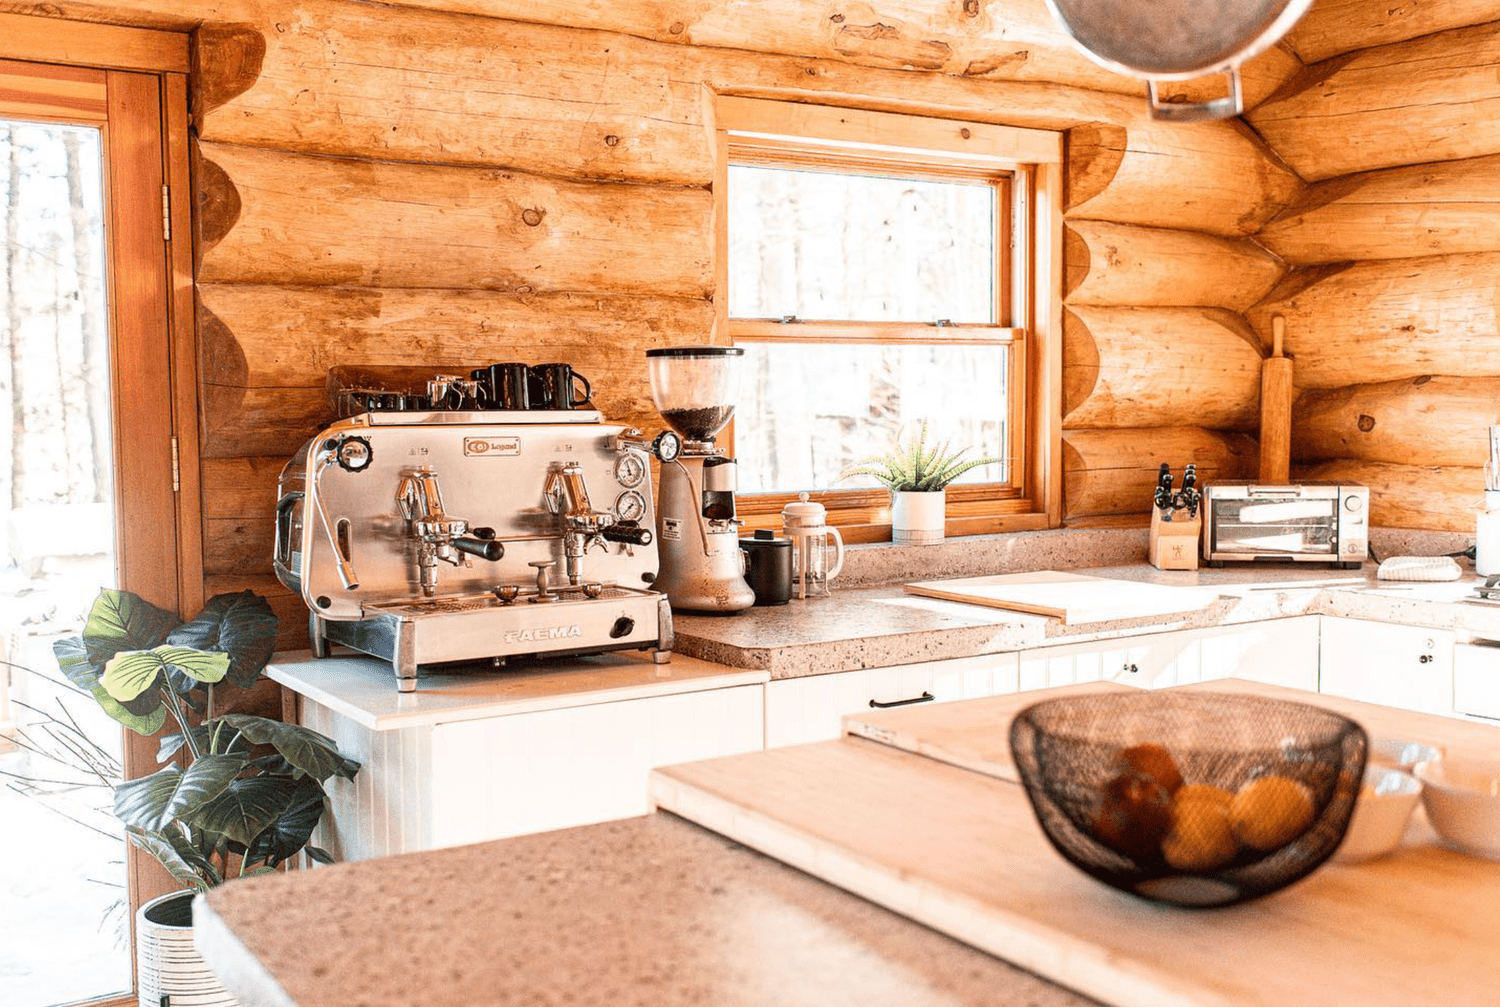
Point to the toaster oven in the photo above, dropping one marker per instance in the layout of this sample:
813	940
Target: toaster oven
1302	522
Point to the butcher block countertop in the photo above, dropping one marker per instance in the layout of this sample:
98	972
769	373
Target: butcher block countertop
659	911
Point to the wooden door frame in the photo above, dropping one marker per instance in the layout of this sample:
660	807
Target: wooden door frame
148	209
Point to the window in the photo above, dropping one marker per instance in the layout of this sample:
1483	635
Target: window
880	270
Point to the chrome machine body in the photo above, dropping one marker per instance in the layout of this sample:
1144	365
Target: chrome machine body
432	536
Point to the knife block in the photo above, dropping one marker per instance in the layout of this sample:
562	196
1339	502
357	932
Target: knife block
1174	543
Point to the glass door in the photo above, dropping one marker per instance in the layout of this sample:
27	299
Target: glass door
87	501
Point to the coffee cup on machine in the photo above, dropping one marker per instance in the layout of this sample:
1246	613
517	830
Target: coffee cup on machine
512	386
559	387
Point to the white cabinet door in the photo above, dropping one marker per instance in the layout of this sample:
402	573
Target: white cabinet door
1401	666
1476	680
1148	662
533	772
799	710
1278	652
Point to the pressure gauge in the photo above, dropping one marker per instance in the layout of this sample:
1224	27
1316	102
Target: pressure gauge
630	506
630	469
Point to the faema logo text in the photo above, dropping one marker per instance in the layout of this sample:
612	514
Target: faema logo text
543	635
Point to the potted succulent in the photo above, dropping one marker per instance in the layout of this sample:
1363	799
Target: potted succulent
249	791
917	474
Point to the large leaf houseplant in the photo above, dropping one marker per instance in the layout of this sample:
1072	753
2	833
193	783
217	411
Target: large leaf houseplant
251	790
917	472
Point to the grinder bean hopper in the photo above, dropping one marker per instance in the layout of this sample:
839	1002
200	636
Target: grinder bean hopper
702	566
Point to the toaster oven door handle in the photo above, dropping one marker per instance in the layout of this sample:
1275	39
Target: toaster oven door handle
1276	491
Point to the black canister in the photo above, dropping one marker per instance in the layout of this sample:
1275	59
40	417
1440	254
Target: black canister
768	567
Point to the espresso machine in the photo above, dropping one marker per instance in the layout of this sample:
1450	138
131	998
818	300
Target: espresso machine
423	529
702	565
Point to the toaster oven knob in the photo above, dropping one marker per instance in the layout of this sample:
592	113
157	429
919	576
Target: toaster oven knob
623	626
1353	503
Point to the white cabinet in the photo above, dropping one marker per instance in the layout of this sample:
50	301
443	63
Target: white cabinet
1402	666
1281	652
799	710
1277	652
430	786
1476	680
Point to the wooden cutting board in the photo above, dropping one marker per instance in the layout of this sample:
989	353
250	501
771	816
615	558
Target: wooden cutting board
972	735
1072	597
962	853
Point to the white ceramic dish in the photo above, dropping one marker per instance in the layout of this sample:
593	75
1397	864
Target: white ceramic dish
1401	753
1462	798
1386	801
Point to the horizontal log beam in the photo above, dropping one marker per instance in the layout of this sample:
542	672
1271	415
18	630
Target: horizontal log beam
1117	264
1440	420
1428	497
1333	27
1113	472
241	487
327	221
1396	319
1435	98
1426	209
1214	177
1159	367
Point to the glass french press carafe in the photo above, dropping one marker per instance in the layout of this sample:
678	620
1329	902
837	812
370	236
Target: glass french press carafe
806	524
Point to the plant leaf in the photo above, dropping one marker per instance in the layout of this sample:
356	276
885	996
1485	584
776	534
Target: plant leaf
310	752
171	793
292	828
144	715
241	625
171	744
247	807
120	621
174	852
130	673
320	855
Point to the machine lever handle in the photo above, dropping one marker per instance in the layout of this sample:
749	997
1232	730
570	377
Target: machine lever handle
484	548
627	532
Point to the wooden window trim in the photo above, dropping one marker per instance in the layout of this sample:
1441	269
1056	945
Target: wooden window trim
1029	294
132	84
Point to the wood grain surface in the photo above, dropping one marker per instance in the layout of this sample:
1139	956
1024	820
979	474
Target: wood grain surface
961	852
1073	598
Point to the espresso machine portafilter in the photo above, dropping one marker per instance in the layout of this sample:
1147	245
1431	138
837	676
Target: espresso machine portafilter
702	566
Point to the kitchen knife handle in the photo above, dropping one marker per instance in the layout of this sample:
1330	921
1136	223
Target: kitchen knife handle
926	697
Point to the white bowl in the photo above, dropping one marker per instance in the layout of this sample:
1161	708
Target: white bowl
1462	798
1385	804
1401	753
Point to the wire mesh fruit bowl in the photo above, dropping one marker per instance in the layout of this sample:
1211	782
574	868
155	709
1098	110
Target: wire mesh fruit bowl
1190	798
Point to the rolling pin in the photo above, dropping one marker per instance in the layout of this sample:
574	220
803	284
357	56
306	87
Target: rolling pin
1276	409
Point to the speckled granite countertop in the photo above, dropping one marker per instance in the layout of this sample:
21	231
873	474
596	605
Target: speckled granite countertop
871	627
647	911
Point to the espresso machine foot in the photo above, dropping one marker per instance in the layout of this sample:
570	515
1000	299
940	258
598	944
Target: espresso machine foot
661	656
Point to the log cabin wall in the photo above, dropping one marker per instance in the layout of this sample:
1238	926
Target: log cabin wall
457	181
1392	305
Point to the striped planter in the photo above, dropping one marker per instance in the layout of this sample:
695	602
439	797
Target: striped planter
917	518
168	971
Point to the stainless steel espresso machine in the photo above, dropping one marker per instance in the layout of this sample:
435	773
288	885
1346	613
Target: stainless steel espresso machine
702	565
425	530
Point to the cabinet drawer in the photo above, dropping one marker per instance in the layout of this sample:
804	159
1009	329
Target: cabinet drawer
1476	680
1154	661
799	710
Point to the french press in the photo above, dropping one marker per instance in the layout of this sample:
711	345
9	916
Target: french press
806	524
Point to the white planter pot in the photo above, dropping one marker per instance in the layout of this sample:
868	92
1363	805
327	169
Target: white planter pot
168	970
917	518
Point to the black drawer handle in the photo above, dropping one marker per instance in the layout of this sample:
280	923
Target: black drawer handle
926	697
1425	658
1131	668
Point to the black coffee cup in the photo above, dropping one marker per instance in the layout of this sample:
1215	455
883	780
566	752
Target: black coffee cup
512	386
768	567
484	391
559	387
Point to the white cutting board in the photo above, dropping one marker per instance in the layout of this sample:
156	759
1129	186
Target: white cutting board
1071	597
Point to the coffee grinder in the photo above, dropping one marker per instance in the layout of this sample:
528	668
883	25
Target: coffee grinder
702	566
